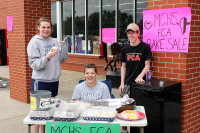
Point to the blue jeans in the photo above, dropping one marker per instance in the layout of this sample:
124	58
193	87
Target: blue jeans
49	86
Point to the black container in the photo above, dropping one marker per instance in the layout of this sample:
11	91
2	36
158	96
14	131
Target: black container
162	103
115	77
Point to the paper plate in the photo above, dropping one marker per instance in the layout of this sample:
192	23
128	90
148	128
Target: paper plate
132	117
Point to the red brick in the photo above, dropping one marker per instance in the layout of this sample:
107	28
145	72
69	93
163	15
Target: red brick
183	66
195	6
172	65
159	64
173	2
194	17
184	1
172	55
167	70
150	3
158	54
167	6
160	2
171	75
166	60
155	59
159	74
192	70
193	28
178	60
181	71
185	92
154	69
154	8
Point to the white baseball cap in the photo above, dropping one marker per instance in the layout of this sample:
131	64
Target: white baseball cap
133	27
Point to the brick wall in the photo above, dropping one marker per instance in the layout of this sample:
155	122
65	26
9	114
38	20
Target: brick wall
3	13
25	15
76	62
183	67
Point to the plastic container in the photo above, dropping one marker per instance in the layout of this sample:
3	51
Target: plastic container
40	100
99	114
67	112
41	115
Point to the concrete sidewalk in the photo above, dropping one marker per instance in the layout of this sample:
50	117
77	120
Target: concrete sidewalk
13	112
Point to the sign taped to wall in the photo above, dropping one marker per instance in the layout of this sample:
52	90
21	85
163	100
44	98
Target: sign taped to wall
109	35
9	23
167	30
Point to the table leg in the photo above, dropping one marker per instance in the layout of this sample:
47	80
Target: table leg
141	130
29	128
44	128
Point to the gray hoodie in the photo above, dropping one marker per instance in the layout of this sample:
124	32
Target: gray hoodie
43	69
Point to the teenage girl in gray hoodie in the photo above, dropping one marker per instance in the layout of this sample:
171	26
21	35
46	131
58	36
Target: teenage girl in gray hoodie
45	60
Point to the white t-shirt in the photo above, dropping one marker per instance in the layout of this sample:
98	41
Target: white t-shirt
84	93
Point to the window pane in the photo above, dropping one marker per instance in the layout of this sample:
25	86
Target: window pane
141	5
67	23
126	15
108	14
79	17
79	26
67	19
53	19
93	26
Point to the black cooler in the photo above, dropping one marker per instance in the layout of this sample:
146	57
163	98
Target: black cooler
162	102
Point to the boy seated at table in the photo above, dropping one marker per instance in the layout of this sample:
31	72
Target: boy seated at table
90	89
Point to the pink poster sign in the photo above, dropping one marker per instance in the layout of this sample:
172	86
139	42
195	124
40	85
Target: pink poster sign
9	23
109	35
167	30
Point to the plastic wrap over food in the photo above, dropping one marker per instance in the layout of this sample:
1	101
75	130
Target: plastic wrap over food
99	114
126	100
108	102
114	102
68	113
70	109
128	104
55	102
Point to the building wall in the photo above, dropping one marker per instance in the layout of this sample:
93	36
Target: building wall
3	14
25	16
183	67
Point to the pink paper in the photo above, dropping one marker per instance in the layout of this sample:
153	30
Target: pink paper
9	23
167	30
108	35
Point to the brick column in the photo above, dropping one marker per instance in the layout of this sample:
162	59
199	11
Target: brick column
25	15
183	67
3	13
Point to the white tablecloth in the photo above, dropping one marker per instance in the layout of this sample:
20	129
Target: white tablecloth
134	123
